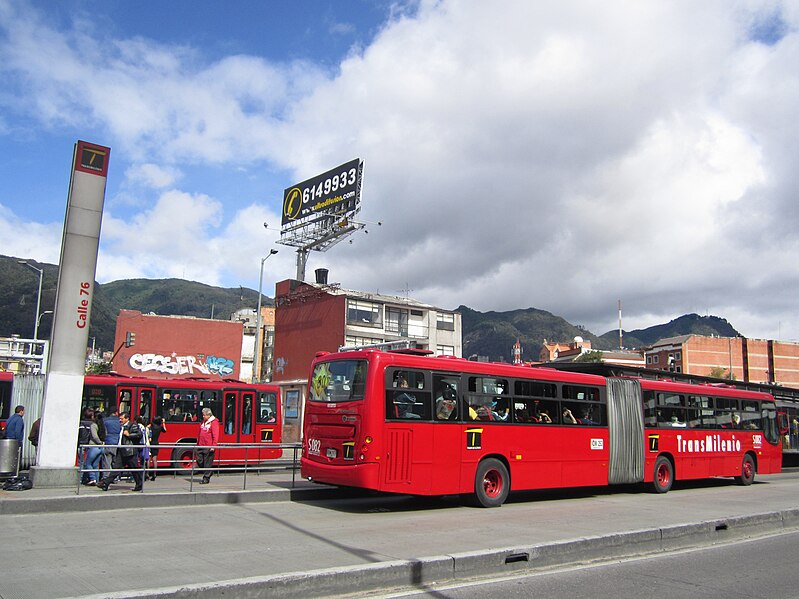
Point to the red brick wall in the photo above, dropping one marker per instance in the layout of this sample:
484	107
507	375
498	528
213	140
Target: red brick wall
307	320
174	347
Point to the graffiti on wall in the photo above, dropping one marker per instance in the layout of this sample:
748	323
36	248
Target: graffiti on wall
181	365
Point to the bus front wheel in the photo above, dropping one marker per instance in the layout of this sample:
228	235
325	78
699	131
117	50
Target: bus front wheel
491	483
748	470
664	475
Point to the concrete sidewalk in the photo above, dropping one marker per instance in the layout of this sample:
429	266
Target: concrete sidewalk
216	540
281	483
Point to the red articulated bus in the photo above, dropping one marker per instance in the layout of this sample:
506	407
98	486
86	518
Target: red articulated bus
248	414
403	422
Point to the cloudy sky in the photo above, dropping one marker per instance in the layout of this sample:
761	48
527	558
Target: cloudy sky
562	156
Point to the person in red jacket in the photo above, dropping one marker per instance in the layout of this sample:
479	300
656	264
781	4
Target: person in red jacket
206	443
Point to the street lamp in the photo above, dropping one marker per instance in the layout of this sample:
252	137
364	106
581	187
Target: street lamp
39	299
39	320
256	353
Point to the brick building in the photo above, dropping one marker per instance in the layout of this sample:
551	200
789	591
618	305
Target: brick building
750	360
313	317
177	346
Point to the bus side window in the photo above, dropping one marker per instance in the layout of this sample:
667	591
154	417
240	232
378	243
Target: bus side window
407	398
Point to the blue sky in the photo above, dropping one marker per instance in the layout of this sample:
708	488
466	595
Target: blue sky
555	155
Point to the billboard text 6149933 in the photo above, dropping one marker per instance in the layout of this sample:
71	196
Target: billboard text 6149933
335	192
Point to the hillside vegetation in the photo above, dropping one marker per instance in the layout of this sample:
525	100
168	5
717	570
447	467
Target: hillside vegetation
488	334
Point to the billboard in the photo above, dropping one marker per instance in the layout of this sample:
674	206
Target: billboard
336	192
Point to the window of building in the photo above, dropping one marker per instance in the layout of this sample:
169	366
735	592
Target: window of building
445	350
655	359
678	355
649	359
397	321
445	321
364	313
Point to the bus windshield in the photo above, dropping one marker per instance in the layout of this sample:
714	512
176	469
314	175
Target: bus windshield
338	380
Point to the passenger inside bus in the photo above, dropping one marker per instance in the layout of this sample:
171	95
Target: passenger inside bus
446	404
497	411
404	401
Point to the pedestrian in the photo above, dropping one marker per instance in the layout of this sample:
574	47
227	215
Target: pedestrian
33	436
127	456
15	429
144	452
206	442
157	427
89	447
112	427
15	426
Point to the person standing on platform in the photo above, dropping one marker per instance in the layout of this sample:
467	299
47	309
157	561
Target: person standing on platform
126	456
113	428
206	442
15	429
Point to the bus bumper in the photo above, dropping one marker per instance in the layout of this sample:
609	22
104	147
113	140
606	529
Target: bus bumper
345	475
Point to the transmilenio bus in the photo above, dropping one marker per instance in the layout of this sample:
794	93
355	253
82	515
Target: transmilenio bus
247	413
404	422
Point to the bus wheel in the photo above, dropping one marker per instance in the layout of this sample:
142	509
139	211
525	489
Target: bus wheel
183	457
747	471
664	475
491	483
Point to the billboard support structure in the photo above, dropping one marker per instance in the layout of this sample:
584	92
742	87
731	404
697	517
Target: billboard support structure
317	213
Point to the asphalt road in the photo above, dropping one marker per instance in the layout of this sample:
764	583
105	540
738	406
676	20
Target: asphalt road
117	551
756	568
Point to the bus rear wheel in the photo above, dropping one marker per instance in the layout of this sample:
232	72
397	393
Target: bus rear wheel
664	475
183	457
491	483
747	471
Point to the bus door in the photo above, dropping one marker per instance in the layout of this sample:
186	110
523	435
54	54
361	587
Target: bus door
143	406
230	420
450	435
407	467
247	430
125	397
266	431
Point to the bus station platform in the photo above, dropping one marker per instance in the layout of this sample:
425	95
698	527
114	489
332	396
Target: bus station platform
290	538
281	483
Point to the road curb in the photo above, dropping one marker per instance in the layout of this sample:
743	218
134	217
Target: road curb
425	573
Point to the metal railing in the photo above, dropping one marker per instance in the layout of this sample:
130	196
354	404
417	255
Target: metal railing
248	465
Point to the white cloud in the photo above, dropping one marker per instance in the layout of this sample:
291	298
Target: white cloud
152	175
38	241
561	156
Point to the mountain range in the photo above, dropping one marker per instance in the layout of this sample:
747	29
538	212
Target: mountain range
489	334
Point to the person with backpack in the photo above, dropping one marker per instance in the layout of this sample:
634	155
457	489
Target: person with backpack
89	448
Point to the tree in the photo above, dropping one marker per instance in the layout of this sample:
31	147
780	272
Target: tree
719	372
98	368
590	356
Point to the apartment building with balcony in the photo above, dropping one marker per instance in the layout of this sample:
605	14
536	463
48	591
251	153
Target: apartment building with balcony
314	317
